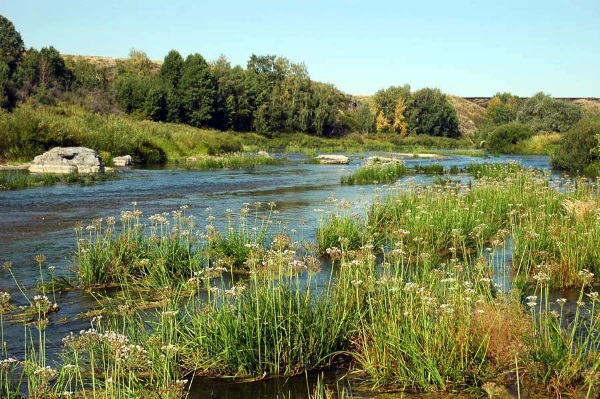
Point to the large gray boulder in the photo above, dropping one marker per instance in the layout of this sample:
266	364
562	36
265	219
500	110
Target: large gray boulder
63	160
333	159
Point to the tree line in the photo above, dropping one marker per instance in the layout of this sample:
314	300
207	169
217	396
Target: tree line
271	94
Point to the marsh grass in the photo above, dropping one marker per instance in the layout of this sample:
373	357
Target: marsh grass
377	173
22	179
108	254
231	161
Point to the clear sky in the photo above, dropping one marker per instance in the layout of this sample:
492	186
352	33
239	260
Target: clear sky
463	47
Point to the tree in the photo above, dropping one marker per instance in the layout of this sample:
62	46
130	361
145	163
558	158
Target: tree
170	76
502	109
399	125
171	69
11	44
197	91
11	50
365	119
543	113
431	113
381	122
385	100
137	64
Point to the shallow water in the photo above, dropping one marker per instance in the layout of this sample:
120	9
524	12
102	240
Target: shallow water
42	220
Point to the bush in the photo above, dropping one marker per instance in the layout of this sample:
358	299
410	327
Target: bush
544	113
504	139
577	148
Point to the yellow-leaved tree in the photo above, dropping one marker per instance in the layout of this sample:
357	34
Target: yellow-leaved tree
400	126
381	123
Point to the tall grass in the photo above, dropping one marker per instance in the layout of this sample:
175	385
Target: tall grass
112	254
377	173
231	161
17	180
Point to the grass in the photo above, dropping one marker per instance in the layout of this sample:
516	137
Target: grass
377	173
230	161
416	298
18	180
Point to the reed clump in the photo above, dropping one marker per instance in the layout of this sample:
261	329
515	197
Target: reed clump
376	173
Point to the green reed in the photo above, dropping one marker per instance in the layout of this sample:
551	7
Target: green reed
377	173
22	179
165	251
231	161
564	348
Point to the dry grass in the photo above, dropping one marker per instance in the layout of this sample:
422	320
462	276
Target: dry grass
469	114
579	209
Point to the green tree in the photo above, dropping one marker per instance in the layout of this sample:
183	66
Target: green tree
131	92
11	50
365	118
502	109
197	91
171	69
170	75
543	113
431	113
11	44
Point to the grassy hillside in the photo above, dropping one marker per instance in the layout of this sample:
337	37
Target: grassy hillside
469	114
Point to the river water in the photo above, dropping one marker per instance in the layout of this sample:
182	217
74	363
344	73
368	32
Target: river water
41	221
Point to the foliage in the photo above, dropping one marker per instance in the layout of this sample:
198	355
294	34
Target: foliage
543	113
431	113
381	123
365	119
505	139
400	126
11	49
502	109
577	149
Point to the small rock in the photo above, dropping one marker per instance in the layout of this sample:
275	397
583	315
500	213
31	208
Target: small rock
125	160
264	154
333	159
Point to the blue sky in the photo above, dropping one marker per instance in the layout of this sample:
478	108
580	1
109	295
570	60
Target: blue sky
463	47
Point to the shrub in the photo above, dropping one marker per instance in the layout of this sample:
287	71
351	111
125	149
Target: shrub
577	148
504	138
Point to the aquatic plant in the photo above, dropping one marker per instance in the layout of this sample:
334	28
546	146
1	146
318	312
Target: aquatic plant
376	173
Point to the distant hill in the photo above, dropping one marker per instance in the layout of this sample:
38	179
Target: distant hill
469	114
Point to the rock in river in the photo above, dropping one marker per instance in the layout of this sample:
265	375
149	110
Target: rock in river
68	160
125	160
333	159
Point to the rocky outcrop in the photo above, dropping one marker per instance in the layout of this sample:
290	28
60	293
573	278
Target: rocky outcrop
125	160
333	159
63	160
